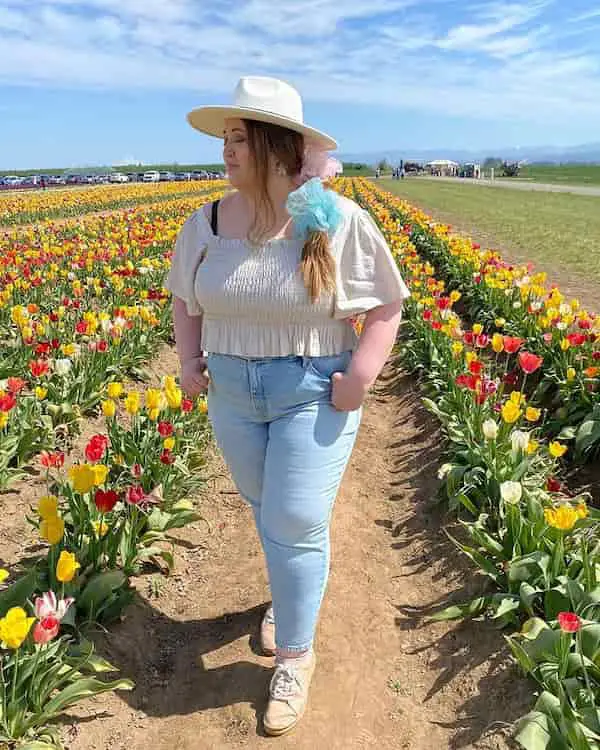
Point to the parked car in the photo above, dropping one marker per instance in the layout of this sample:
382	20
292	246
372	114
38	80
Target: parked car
166	176
182	176
151	176
12	180
118	177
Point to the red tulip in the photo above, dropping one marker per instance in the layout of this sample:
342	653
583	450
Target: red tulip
482	340
530	362
96	448
165	429
512	345
15	385
54	460
576	339
135	495
187	404
476	367
569	622
105	501
553	485
166	457
7	402
38	367
46	629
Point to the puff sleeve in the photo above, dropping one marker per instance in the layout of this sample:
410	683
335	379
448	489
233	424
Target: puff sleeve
190	247
367	274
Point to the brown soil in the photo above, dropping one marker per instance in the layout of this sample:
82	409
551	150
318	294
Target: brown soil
384	679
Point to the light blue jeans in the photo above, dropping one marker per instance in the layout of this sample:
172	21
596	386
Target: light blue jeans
286	447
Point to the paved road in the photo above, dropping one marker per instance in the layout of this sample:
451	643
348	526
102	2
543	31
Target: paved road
522	185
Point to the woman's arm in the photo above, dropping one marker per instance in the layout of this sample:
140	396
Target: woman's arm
376	342
188	342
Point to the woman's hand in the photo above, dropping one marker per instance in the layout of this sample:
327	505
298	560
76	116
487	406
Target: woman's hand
194	376
347	391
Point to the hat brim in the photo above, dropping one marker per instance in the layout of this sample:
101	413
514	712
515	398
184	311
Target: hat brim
211	120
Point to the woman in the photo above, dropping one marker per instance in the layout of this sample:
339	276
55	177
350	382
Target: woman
266	282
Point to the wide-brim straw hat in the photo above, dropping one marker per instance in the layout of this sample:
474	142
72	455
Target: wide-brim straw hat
263	99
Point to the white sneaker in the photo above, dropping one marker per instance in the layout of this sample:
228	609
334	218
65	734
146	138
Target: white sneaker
288	695
267	633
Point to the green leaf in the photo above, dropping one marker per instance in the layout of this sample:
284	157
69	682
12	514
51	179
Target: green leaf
534	732
507	605
82	688
554	602
18	592
37	745
528	594
459	611
99	588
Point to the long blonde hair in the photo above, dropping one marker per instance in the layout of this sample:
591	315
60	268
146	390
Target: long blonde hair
268	142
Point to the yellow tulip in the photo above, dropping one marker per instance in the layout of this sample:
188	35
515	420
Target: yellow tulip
114	390
582	510
40	393
571	374
564	344
500	322
563	518
15	627
510	412
557	449
532	414
66	567
154	399
457	348
100	472
109	408
477	329
4	574
532	447
52	529
82	477
101	528
169	443
3	419
497	343
132	403
48	506
517	397
174	397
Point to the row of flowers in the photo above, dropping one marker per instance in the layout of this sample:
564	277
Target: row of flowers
103	519
79	305
516	301
537	544
25	208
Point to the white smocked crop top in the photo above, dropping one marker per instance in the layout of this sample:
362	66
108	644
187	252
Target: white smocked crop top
254	302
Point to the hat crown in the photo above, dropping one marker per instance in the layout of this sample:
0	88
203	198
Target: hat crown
269	95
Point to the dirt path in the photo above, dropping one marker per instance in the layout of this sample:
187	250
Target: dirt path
520	184
384	680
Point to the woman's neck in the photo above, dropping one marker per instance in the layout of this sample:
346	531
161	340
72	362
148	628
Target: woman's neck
278	190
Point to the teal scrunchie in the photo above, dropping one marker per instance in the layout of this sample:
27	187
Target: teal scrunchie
314	209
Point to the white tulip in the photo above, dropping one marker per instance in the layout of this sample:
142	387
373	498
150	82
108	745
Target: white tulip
444	470
511	492
519	440
62	366
490	429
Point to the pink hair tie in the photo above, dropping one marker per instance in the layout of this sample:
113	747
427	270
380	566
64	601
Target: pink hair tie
317	162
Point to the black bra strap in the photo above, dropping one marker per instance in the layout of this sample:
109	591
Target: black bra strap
214	220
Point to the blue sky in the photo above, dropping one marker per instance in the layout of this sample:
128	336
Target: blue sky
109	81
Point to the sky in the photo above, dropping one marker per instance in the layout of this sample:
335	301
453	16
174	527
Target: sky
94	82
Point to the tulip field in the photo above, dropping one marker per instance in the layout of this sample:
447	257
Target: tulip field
513	381
509	368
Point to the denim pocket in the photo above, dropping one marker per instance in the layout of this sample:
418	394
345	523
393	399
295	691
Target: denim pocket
324	367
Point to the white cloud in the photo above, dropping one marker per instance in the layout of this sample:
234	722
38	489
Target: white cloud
491	60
